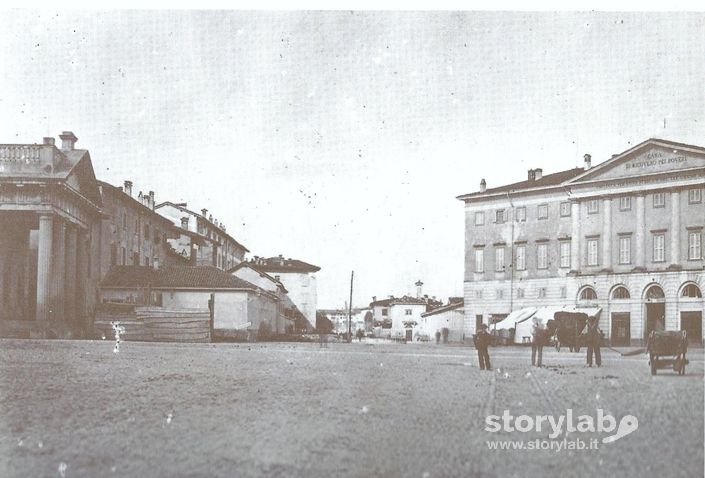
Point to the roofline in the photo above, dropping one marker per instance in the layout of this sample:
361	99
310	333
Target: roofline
261	273
182	208
444	308
117	189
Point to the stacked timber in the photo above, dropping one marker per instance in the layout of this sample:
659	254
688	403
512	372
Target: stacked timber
106	314
175	325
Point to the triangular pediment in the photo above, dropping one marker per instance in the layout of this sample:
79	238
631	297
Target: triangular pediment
82	179
650	157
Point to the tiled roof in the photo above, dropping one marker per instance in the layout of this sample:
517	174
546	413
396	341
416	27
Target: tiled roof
398	300
545	181
118	193
280	264
173	277
444	308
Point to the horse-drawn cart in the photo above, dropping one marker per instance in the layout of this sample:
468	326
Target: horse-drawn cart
667	349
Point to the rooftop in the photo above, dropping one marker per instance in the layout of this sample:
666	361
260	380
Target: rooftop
280	264
173	277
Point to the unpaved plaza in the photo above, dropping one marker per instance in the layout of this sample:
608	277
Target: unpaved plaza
274	409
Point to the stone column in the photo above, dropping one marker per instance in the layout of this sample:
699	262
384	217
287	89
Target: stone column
675	243
70	273
575	237
639	233
57	274
81	274
44	265
607	233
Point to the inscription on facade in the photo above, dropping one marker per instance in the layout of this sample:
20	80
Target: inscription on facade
655	158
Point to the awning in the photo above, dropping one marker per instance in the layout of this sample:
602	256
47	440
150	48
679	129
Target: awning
510	321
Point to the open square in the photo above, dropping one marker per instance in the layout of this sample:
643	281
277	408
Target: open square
277	409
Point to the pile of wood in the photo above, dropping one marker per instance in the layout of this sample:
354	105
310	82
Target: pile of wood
153	324
175	325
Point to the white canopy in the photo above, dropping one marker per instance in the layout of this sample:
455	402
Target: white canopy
519	319
510	321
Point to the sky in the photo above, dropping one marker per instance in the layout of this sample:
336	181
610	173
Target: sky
342	138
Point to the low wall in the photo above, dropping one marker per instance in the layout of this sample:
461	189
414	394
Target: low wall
153	324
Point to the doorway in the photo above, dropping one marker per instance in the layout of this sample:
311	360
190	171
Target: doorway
621	326
692	323
409	335
655	318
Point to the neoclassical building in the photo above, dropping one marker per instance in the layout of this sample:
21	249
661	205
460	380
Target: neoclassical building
624	235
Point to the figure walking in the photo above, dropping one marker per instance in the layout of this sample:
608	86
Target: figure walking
482	341
593	336
538	336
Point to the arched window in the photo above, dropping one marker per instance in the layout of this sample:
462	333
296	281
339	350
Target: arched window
654	293
620	292
691	290
588	293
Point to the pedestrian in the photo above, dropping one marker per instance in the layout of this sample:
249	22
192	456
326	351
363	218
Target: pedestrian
438	337
537	339
593	335
482	341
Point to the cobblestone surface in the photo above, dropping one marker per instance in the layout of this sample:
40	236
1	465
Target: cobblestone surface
349	410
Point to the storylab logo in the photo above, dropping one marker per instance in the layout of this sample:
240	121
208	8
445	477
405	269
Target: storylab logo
560	429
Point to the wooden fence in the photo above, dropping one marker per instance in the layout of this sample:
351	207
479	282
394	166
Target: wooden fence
153	324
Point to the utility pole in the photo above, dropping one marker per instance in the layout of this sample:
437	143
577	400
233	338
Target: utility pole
352	275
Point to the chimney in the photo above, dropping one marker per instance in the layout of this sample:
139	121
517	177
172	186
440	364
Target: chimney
184	222
68	140
374	298
128	188
204	211
538	173
210	217
588	159
532	174
418	285
151	200
483	185
49	141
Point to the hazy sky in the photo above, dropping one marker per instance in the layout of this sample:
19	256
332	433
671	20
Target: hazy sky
343	138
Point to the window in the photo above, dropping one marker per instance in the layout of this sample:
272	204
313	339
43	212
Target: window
499	216
521	258
113	255
620	292
565	209
659	200
123	257
694	246
478	294
543	211
146	260
625	250
135	258
499	259
385	312
124	220
542	292
521	214
480	218
694	196
659	247
542	256
692	291
479	260
520	293
564	292
565	254
592	246
593	206
588	293
499	293
625	203
407	311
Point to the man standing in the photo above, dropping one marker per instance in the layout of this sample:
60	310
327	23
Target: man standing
593	335
482	341
537	338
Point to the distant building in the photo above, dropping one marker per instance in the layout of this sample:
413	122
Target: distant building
400	317
360	319
205	240
238	305
299	279
447	319
625	235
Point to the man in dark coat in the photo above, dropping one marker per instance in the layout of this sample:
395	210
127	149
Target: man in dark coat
593	337
482	341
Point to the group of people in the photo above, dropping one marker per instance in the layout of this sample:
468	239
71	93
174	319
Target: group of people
539	335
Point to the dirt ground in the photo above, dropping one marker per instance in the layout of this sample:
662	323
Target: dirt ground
75	408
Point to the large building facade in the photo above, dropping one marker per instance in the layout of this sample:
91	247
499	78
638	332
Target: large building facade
625	235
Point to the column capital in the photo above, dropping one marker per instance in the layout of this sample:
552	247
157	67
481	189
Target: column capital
45	215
